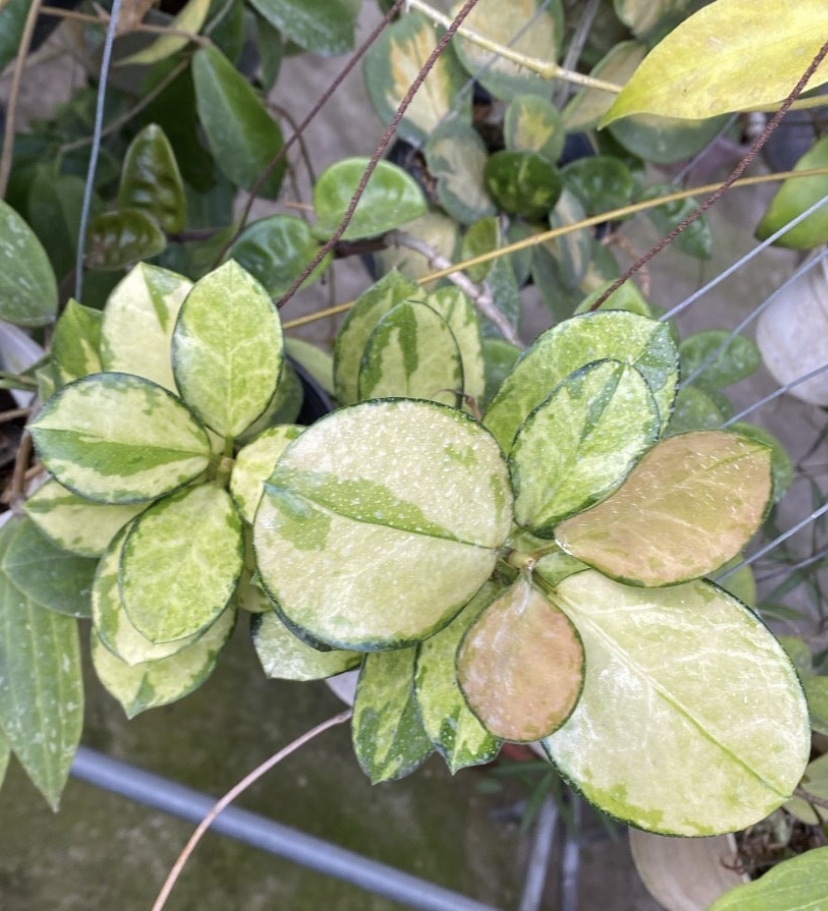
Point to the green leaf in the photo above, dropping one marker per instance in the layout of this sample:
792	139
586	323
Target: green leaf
798	883
392	64
522	183
76	341
181	561
530	27
572	252
601	182
718	359
627	297
734	767
458	311
815	781
117	438
695	409
5	755
138	323
12	23
227	349
412	353
47	575
795	196
53	209
240	133
286	657
166	680
816	692
533	124
75	524
360	322
322	26
191	18
456	158
638	341
411	512
521	665
276	250
388	736
116	240
578	446
151	181
391	198
255	463
500	358
690	505
28	291
41	688
696	239
699	70
667	140
449	724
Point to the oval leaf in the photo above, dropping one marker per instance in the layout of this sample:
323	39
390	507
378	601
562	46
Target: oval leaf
28	290
735	766
76	341
713	359
717	484
521	665
151	181
522	183
533	124
115	240
459	312
323	26
411	513
191	18
227	349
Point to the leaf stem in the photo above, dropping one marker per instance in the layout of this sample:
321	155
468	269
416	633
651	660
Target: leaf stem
809	797
232	794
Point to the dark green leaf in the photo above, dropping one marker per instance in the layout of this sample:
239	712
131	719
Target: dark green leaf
28	291
712	359
54	207
696	239
151	182
116	240
600	182
323	26
522	183
12	22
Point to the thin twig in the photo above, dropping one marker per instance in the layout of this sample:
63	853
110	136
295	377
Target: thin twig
102	18
232	794
14	95
17	489
13	413
811	798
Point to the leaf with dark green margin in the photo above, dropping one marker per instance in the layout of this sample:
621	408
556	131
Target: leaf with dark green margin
533	124
322	26
74	523
522	183
695	409
388	736
459	312
412	353
712	359
151	181
255	463
284	656
117	438
76	341
580	444
241	134
47	575
602	183
641	708
391	198
392	64
529	27
360	322
797	883
696	238
41	688
456	158
693	73
227	349
138	323
28	291
411	512
643	343
181	561
690	505
147	686
191	18
275	250
452	728
521	665
116	240
53	209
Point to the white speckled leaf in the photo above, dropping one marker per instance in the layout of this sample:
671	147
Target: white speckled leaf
138	323
74	523
395	510
638	341
181	562
452	728
388	736
227	349
255	463
581	442
691	504
28	290
458	311
160	682
412	353
117	438
692	720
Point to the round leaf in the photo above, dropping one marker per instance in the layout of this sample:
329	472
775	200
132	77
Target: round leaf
522	183
28	291
692	720
601	182
395	510
151	182
533	124
118	438
116	240
391	198
713	359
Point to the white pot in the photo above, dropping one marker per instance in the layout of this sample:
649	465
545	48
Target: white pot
792	334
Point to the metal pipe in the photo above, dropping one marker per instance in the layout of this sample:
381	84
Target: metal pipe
538	867
323	857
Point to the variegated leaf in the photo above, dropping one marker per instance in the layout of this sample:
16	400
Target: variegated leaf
76	341
255	463
457	157
190	19
458	311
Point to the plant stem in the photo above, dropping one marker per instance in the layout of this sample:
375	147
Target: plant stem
544	68
103	19
810	798
232	794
